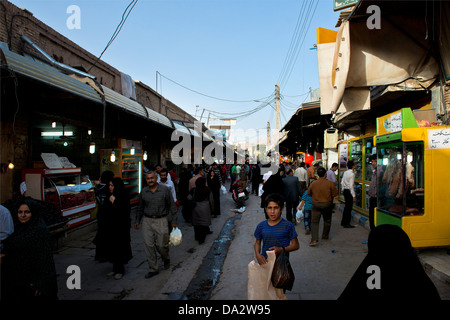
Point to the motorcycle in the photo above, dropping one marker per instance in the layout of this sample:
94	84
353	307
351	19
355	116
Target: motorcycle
238	193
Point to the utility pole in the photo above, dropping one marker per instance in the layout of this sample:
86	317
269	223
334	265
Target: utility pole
268	134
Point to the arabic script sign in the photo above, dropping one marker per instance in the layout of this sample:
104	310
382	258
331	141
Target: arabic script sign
439	139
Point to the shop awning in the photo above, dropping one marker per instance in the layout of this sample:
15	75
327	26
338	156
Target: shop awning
40	71
180	129
400	52
134	107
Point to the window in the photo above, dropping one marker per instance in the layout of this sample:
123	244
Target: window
400	178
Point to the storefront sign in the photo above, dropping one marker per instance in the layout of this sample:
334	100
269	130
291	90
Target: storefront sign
396	121
439	139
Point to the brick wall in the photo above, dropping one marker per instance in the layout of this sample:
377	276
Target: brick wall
65	51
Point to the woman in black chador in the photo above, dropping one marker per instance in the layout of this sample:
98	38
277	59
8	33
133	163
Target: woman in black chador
391	270
101	195
28	269
117	227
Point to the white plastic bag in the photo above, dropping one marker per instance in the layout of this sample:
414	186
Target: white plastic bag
259	286
224	190
299	216
175	237
260	190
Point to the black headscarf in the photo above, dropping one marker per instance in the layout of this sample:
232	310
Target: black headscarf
401	274
28	263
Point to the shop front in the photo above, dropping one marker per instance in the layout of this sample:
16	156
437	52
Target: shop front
358	150
412	179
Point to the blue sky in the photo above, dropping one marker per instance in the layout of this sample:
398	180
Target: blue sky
227	49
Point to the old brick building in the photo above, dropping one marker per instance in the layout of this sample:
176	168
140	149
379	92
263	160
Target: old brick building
45	80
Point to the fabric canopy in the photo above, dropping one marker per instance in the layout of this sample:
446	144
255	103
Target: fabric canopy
366	57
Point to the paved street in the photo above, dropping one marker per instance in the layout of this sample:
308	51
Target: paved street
213	270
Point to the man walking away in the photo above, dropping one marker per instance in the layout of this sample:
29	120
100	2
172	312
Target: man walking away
348	186
302	175
156	208
292	194
322	192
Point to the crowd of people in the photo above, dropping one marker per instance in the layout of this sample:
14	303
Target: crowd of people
28	269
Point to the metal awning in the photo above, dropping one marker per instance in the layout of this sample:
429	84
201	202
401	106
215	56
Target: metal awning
132	106
180	129
40	71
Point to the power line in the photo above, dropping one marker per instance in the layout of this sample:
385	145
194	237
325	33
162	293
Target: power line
195	91
118	29
297	40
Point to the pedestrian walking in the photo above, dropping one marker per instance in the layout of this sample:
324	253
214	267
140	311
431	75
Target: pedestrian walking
389	251
203	209
302	175
214	181
322	192
256	178
157	171
312	171
28	269
118	223
348	187
234	173
331	173
183	192
156	208
275	233
373	191
274	184
292	194
102	193
306	205
198	172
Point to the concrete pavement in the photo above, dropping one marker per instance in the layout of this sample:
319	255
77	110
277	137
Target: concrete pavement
322	272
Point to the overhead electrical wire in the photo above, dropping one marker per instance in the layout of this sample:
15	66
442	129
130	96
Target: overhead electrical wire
125	15
303	23
205	95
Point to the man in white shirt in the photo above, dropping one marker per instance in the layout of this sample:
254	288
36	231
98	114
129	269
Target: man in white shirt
158	169
164	174
302	175
348	187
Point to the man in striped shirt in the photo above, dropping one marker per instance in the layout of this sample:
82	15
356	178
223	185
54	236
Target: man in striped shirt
275	232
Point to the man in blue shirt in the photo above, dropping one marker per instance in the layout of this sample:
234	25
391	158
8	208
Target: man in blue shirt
275	232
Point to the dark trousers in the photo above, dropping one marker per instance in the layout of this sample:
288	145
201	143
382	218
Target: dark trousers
291	209
255	187
200	233
324	210
347	214
372	205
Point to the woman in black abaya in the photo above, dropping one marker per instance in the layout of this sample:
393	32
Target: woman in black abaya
398	273
117	227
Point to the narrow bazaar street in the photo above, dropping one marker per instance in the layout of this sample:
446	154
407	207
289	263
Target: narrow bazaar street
217	269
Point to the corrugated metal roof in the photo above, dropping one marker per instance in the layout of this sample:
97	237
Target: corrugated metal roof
181	129
123	102
47	74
